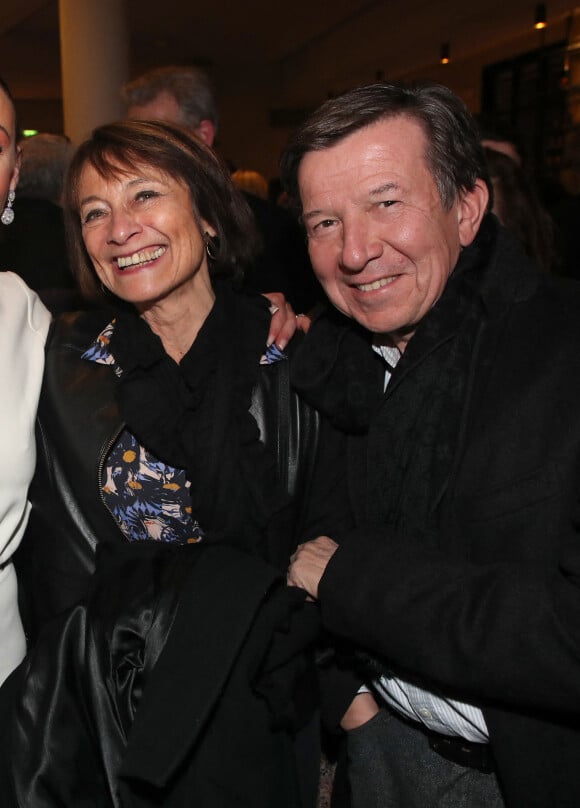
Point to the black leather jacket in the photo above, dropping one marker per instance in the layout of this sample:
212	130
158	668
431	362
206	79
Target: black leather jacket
78	422
185	660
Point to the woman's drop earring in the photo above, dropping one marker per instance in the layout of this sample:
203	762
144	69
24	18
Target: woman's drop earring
8	214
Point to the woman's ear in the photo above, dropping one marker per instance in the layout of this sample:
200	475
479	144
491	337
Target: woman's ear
16	169
471	209
207	229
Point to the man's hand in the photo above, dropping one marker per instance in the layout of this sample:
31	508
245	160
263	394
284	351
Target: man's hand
362	708
308	564
283	324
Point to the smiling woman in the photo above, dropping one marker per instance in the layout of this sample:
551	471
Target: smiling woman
147	247
149	418
23	325
146	204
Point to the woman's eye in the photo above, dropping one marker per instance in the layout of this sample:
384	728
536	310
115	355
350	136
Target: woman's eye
92	215
145	195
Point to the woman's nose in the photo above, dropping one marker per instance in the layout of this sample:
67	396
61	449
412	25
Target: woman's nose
123	225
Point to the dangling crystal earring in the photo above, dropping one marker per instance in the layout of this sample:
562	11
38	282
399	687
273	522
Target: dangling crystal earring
8	214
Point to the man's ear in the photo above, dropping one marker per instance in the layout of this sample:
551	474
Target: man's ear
205	131
471	209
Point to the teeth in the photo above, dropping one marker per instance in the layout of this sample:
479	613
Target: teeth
371	287
139	257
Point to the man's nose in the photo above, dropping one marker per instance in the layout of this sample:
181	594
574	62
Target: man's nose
359	246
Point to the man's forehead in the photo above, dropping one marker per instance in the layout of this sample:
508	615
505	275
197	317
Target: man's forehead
395	145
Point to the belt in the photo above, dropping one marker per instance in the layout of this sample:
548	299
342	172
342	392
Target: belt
464	753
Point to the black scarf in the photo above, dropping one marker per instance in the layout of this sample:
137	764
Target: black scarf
412	428
195	414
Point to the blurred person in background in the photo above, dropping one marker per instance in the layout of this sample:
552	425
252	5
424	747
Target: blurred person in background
41	260
251	181
516	205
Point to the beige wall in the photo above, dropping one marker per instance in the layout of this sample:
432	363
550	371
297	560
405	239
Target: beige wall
247	138
340	60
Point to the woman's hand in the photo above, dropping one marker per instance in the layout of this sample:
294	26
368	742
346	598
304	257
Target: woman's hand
362	708
283	323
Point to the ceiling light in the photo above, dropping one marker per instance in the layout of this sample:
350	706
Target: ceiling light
540	20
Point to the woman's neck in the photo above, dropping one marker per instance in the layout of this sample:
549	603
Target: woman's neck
177	321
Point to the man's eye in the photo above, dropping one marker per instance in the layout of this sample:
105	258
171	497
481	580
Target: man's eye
324	224
387	203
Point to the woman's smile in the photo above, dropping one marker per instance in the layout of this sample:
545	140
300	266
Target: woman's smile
138	259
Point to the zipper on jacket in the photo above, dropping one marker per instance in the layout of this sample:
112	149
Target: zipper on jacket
102	458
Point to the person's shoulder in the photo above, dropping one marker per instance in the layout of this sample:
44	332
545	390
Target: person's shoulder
76	329
21	306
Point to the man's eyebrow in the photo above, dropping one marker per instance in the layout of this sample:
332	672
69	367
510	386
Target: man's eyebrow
312	214
381	189
385	188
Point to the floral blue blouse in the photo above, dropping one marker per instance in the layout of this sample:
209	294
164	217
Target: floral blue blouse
148	498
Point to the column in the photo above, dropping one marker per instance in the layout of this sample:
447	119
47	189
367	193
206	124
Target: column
94	63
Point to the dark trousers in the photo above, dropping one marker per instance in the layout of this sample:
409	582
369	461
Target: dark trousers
389	764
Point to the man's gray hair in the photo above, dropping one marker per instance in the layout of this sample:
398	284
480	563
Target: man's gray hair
453	153
190	86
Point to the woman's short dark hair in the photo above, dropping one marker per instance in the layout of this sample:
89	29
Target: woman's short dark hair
118	147
454	154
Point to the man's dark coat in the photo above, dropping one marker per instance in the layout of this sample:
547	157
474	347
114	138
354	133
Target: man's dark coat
487	610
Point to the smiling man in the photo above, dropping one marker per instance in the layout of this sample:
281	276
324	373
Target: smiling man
449	578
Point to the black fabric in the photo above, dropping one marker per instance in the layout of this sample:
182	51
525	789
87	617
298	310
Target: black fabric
195	415
336	372
153	691
487	610
79	420
418	424
190	666
283	264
